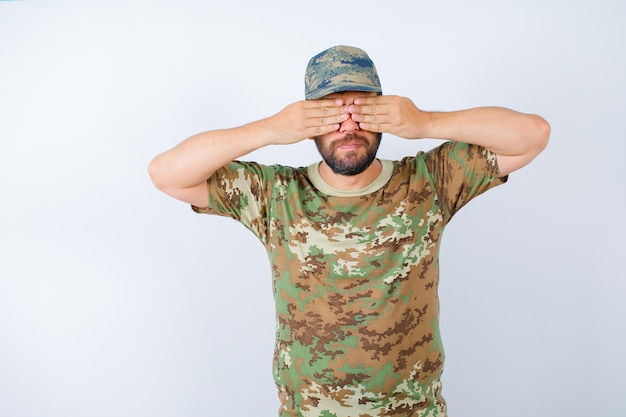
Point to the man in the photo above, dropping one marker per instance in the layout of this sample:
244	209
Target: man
353	240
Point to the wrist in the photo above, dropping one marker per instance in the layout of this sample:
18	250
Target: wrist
425	122
261	133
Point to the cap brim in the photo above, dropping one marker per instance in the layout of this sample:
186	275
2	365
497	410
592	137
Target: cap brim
341	88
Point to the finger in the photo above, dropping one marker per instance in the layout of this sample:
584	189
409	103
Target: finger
330	117
370	110
374	127
372	101
380	118
324	102
372	105
369	100
318	112
323	129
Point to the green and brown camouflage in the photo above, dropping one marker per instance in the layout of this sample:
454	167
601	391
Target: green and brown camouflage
355	277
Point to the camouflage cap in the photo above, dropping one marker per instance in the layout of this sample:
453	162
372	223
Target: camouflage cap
340	68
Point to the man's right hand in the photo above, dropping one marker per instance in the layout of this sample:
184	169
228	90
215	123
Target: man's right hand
305	119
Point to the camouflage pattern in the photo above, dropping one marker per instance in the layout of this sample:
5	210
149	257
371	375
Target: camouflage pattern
340	68
355	277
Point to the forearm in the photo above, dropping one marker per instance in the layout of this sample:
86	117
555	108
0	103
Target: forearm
503	131
195	159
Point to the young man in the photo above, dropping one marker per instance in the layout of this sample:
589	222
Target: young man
353	240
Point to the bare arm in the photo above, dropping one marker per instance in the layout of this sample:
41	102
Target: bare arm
182	171
516	138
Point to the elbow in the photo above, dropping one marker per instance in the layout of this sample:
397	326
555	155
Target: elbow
157	173
543	133
539	135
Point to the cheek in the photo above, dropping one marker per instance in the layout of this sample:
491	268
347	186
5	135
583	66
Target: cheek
322	141
319	144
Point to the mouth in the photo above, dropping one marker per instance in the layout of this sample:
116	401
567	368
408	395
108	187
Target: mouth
350	143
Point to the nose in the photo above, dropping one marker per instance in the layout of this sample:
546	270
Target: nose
349	125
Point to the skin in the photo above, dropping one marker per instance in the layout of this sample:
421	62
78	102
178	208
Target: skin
349	143
516	138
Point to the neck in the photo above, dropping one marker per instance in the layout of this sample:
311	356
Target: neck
353	182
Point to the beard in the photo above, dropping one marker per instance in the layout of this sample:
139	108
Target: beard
351	163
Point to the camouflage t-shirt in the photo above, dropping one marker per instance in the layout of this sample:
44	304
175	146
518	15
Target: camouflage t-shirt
355	276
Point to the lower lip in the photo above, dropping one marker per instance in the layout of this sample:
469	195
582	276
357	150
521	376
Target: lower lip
350	146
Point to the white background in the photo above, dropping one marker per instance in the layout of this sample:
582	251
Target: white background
116	300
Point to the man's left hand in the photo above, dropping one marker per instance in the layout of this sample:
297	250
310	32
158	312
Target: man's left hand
390	114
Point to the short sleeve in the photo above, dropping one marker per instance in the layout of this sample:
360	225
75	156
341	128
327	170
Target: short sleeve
240	190
461	172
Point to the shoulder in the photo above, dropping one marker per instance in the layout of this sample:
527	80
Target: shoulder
255	169
461	150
